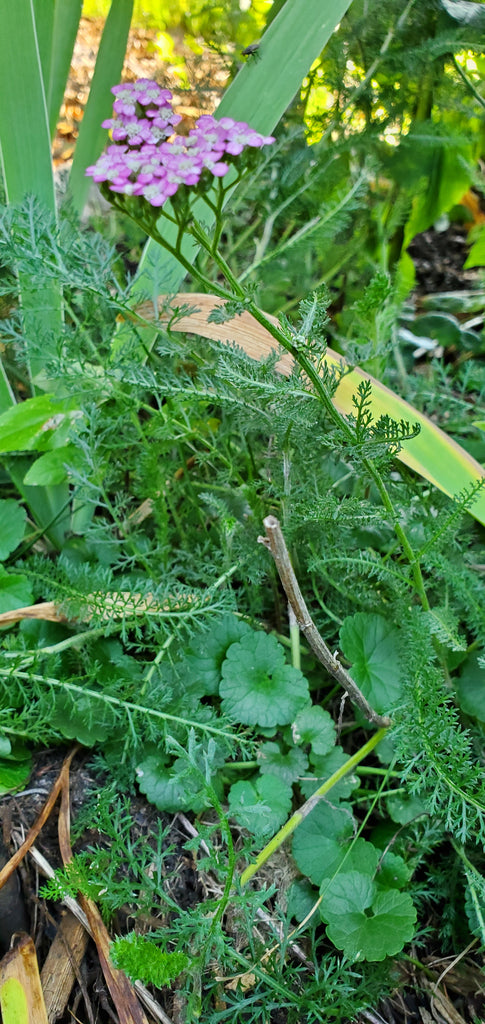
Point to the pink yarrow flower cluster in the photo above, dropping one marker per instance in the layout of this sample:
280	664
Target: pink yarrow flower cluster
147	158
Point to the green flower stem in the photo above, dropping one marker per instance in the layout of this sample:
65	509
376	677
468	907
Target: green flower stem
296	350
300	815
311	371
468	82
400	534
176	251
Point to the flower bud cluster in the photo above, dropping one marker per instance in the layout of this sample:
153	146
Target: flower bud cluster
148	158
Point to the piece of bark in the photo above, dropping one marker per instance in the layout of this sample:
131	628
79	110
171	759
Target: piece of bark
21	997
62	964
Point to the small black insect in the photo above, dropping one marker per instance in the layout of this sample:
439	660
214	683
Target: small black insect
251	51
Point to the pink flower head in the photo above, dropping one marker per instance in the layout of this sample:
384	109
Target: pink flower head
148	159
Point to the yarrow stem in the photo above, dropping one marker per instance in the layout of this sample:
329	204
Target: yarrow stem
149	163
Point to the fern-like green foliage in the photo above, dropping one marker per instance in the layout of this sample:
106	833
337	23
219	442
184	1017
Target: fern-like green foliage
141	959
161	659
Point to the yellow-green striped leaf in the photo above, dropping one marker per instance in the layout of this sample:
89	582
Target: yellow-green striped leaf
432	454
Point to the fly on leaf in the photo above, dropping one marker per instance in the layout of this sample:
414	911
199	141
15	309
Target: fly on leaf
251	51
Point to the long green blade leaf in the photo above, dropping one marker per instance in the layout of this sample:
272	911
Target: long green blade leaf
260	94
24	128
27	170
109	64
432	454
67	14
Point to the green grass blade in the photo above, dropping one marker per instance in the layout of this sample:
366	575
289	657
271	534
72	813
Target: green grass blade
260	94
26	152
67	14
27	169
24	128
7	397
44	23
109	64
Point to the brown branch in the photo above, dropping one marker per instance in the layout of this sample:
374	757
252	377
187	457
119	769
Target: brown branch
275	542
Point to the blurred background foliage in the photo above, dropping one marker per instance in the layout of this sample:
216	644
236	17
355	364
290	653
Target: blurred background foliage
383	142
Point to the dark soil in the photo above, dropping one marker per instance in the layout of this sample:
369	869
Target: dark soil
438	258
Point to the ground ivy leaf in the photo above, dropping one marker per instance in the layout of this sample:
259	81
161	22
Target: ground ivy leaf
364	923
314	725
371	644
12	526
317	842
302	899
404	808
257	686
470	689
82	719
356	855
160	784
14	774
393	872
205	658
15	591
287	767
260	805
322	768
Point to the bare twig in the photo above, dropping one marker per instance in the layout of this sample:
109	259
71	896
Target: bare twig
275	542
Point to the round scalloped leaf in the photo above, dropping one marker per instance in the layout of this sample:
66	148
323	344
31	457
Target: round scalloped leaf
365	923
14	774
470	690
162	787
287	767
356	855
393	872
372	646
83	718
322	768
257	686
314	725
403	808
205	658
317	842
12	526
261	805
15	591
302	900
